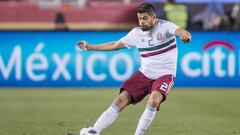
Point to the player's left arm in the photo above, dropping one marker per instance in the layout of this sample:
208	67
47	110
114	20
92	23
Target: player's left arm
184	35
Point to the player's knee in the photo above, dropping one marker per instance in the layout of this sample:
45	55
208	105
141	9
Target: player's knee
154	102
117	101
121	102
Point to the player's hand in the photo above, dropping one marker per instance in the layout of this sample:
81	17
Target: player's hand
184	35
186	38
83	45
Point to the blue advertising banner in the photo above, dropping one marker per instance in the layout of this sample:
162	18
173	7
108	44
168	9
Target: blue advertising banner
212	59
52	59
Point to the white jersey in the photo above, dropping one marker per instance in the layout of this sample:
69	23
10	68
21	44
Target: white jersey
157	48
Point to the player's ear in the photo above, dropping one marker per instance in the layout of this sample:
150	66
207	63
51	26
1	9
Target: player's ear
154	16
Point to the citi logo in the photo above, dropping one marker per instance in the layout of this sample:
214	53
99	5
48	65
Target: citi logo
218	58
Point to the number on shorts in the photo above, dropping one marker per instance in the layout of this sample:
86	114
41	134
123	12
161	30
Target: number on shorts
164	87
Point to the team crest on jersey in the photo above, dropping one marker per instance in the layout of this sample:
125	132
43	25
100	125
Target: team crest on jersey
159	36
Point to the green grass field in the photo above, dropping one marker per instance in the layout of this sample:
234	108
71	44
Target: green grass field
56	112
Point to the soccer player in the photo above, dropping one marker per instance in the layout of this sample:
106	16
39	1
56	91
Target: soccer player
156	42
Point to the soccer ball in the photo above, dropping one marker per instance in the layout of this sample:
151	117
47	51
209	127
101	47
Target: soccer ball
84	131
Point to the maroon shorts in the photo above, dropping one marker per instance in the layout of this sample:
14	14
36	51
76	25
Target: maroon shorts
138	86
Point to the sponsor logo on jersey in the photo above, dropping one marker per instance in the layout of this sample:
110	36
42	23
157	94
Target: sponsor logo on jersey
159	36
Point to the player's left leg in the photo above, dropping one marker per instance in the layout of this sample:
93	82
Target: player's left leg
149	112
160	89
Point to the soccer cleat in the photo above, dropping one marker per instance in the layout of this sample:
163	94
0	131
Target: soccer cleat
91	131
88	131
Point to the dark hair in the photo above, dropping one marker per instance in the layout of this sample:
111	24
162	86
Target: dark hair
146	8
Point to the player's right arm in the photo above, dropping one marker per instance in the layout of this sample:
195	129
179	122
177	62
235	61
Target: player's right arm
100	47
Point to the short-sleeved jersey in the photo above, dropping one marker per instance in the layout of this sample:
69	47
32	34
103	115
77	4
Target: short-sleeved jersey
157	48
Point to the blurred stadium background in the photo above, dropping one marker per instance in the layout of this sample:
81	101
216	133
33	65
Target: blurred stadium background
48	86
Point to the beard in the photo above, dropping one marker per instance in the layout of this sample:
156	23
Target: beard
146	28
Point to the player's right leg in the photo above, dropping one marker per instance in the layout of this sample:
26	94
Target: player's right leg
111	114
132	92
160	89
